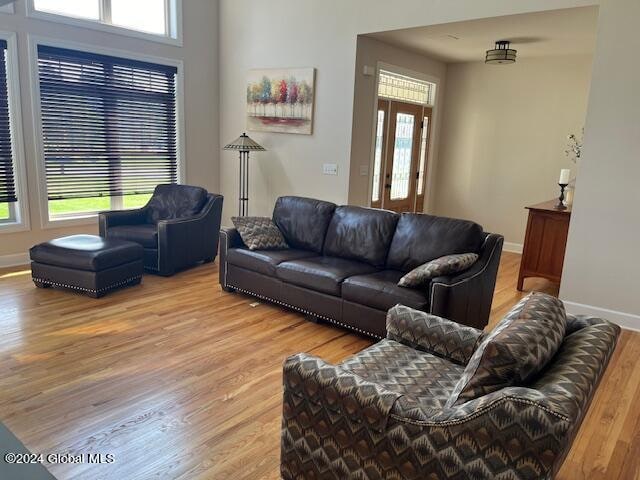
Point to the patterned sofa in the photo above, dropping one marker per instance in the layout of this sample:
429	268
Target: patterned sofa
408	408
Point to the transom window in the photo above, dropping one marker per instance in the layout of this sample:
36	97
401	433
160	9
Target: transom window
109	130
155	17
406	89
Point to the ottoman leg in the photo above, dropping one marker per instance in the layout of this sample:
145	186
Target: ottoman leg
135	281
94	294
40	284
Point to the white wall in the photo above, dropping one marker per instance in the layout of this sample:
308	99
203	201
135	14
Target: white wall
602	266
199	55
503	138
321	34
370	51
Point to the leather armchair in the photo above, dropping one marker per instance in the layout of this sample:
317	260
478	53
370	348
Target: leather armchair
177	228
383	413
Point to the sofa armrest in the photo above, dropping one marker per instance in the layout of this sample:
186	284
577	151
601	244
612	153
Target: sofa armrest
185	241
466	297
116	218
229	238
427	332
319	391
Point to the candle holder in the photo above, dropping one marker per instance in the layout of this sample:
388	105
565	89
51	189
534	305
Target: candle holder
560	205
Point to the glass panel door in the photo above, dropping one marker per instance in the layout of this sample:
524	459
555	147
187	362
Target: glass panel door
400	175
400	156
402	153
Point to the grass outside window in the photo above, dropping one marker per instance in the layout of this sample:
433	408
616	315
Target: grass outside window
4	212
81	206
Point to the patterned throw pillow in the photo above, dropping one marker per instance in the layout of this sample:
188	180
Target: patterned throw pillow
259	233
516	350
440	266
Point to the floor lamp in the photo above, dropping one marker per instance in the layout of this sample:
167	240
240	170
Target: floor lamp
244	145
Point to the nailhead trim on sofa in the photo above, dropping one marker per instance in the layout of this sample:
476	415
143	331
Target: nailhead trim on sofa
302	310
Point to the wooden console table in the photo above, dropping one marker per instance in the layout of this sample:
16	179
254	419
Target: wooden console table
545	242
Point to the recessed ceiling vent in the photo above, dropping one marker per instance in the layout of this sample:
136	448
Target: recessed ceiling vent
501	54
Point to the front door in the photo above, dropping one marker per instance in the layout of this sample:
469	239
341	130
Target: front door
399	173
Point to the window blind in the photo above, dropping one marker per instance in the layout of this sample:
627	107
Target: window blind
7	178
109	124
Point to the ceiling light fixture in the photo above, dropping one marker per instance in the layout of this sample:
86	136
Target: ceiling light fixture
501	54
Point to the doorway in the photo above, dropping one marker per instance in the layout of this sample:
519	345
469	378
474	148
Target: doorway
400	156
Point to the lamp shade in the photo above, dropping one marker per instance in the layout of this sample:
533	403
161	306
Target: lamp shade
501	54
244	144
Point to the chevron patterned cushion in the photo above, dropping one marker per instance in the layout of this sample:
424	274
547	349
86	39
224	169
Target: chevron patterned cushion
516	350
259	233
420	377
446	265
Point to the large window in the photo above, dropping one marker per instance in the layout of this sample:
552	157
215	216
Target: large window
156	17
9	187
109	130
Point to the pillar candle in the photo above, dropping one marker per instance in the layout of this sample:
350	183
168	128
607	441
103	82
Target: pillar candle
564	176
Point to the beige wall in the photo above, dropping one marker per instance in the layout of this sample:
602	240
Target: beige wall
199	55
602	266
504	133
369	52
321	34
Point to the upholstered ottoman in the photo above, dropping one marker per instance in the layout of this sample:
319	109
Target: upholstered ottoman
86	263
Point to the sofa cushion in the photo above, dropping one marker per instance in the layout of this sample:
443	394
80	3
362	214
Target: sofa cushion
143	233
447	265
175	201
323	274
303	221
264	261
518	348
380	290
423	379
362	234
420	238
259	233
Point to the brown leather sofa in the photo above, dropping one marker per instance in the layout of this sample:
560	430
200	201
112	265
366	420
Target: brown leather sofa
344	264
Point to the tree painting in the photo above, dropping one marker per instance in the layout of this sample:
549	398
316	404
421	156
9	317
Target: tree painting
280	100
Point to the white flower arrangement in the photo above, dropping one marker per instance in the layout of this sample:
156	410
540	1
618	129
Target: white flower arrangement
574	147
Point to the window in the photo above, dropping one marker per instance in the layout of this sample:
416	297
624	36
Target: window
156	17
87	9
406	89
109	130
10	212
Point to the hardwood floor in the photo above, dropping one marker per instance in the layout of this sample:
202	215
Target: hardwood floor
180	380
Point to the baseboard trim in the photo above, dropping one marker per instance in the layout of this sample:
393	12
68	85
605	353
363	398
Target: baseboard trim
14	260
627	321
513	247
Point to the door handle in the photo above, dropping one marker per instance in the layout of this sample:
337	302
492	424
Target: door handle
387	185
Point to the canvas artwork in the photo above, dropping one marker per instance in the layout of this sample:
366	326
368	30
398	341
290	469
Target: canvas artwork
281	100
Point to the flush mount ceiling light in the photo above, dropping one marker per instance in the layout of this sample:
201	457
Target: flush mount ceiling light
501	54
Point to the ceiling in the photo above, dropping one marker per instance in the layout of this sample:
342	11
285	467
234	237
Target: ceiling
557	32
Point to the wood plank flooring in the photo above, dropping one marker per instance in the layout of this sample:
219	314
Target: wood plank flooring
180	380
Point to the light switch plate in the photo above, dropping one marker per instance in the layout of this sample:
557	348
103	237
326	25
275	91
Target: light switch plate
330	169
364	170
